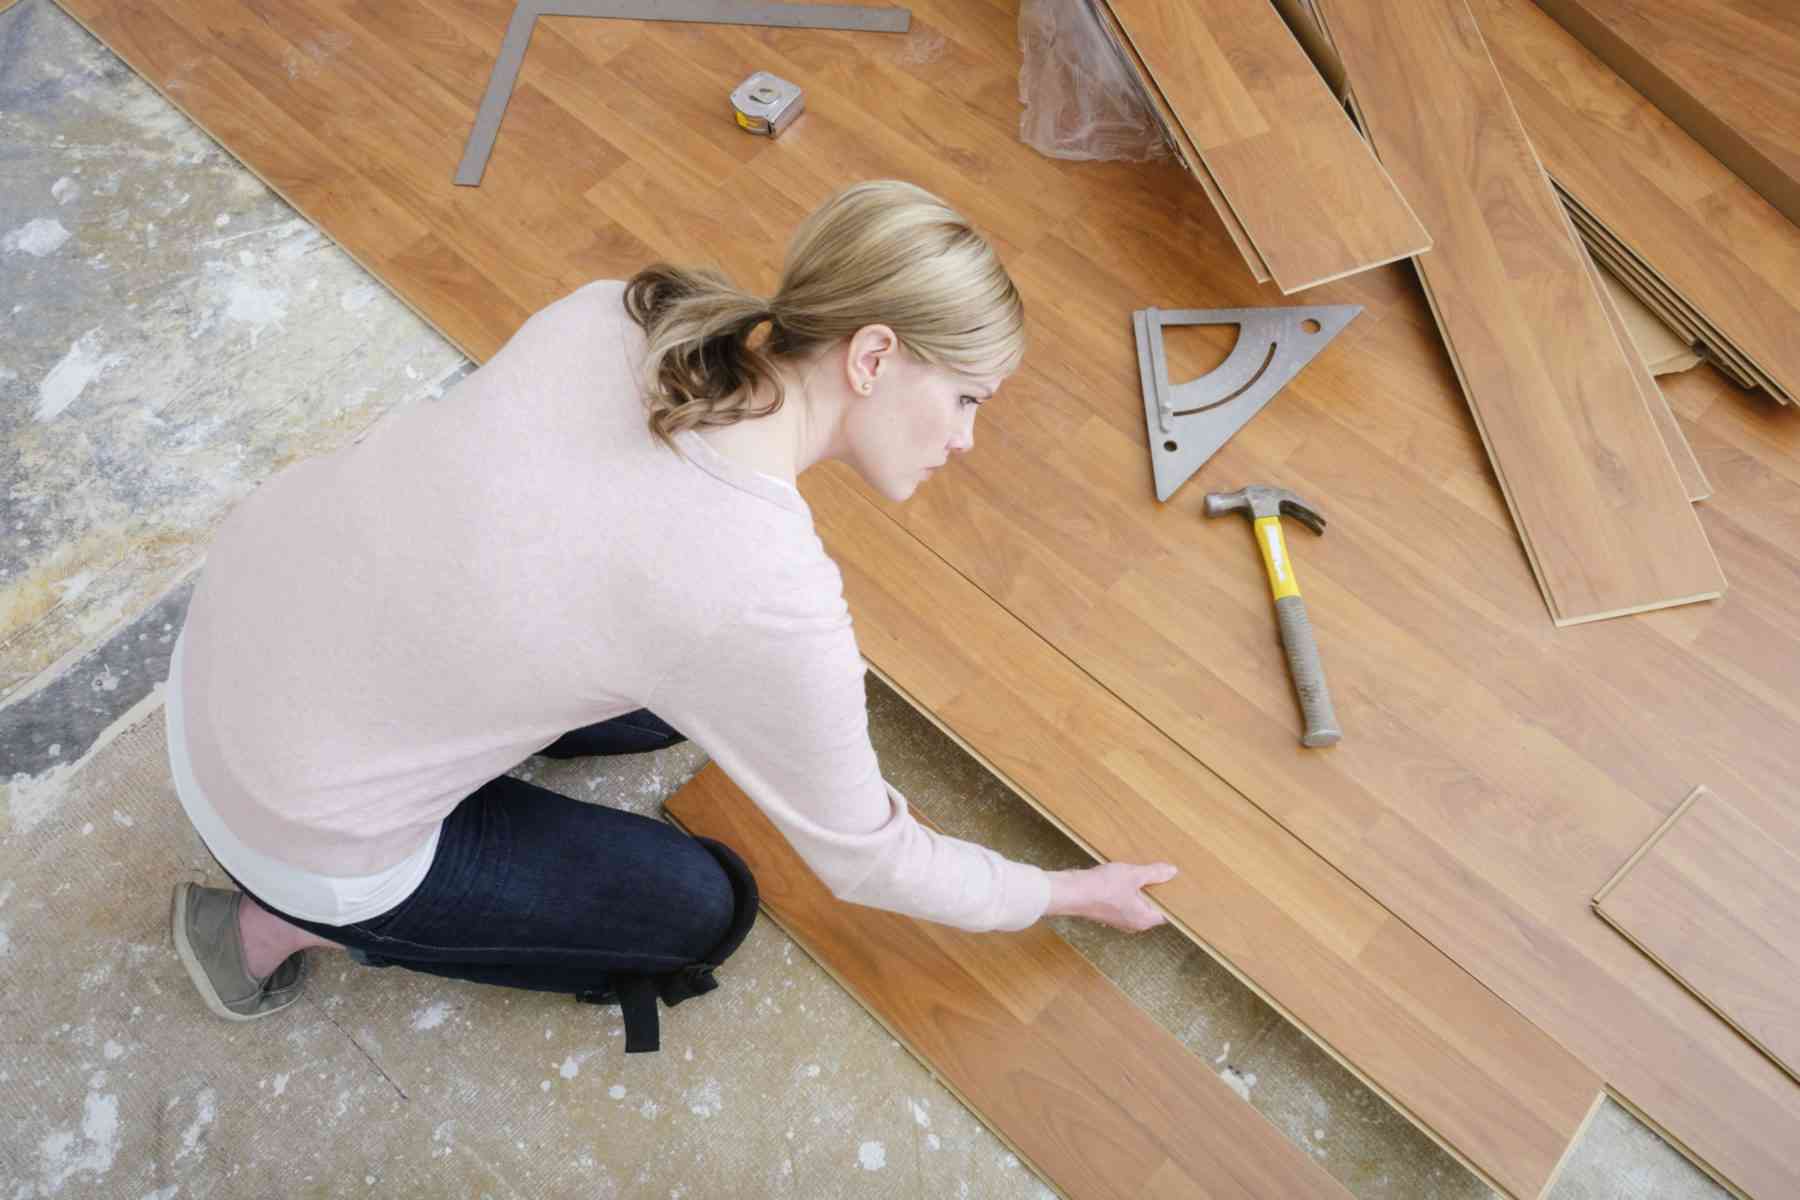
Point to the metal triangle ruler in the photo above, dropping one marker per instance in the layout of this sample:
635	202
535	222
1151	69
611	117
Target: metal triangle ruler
1188	422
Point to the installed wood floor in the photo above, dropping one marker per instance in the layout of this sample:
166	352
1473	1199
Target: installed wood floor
1094	1095
1706	234
1716	902
1727	73
1495	770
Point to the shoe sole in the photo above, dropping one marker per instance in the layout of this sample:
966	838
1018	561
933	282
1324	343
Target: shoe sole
202	982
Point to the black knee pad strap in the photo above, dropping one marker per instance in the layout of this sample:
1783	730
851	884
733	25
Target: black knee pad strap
636	994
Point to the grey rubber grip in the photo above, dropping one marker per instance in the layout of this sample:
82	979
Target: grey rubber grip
1309	674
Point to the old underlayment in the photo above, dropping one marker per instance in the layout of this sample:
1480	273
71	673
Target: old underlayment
170	334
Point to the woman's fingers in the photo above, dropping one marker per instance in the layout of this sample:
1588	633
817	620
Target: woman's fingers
1149	916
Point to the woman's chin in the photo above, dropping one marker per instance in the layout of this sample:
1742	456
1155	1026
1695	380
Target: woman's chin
898	489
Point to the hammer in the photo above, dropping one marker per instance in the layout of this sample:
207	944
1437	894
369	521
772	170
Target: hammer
1265	506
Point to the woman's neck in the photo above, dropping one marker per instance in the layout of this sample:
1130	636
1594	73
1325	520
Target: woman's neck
784	443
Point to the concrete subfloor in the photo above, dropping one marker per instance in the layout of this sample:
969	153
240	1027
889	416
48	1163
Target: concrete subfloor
171	334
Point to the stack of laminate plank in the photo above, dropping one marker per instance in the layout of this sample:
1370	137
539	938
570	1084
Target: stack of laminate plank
1300	193
1593	467
1663	350
1718	262
1714	260
1729	74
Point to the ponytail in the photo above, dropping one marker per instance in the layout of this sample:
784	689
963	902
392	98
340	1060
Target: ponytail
701	369
878	253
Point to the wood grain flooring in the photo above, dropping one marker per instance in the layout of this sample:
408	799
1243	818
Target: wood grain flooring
1362	985
1495	769
1310	194
1715	901
1693	478
1600	508
1090	1092
1729	74
1711	239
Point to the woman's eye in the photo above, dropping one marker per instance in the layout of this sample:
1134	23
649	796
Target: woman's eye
971	400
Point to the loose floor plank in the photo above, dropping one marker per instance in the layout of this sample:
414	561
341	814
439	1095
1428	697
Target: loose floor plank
1492	761
1601	510
1062	1066
1716	902
1184	147
1729	74
1693	479
1309	192
1718	245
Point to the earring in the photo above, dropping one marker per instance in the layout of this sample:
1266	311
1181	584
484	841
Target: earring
866	387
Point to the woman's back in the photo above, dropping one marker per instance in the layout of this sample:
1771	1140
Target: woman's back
380	630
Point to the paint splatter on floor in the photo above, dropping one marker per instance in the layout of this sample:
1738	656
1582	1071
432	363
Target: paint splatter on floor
1241	1083
91	1150
431	1016
38	237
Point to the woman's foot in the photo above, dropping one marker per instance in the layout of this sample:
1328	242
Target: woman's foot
208	939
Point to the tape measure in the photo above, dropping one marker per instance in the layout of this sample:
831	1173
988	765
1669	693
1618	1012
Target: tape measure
767	104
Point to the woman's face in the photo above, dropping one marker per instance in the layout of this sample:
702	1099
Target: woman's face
912	418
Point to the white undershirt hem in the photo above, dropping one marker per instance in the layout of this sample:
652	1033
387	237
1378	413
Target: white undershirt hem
327	899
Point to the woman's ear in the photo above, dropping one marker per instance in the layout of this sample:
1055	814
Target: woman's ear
872	352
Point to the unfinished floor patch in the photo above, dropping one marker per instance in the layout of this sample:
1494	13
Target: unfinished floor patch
120	1082
175	333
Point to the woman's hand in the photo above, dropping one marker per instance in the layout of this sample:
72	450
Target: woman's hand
1111	893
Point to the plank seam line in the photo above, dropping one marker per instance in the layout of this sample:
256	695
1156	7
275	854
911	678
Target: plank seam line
1277	821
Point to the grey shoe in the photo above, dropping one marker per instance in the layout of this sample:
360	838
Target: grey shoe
206	937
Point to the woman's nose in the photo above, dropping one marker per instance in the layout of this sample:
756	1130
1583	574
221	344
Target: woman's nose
965	437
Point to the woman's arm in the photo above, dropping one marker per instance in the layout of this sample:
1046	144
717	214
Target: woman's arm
777	697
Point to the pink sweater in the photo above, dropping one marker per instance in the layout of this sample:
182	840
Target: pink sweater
381	630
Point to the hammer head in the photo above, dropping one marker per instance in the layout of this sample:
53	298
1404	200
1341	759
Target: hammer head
1260	500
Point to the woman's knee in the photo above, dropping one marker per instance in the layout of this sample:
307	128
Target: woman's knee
702	902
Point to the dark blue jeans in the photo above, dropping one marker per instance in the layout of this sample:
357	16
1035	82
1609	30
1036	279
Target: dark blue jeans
531	889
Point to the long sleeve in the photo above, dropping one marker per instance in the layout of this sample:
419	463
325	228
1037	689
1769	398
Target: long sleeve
776	697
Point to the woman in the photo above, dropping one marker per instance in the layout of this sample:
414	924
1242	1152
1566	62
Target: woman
382	632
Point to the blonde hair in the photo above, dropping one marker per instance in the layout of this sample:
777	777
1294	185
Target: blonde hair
878	253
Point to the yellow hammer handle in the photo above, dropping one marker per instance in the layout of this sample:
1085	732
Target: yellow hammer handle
1275	557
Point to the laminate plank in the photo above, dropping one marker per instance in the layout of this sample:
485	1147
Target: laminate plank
1729	74
1687	324
1305	26
1185	150
1693	479
1718	245
1087	1089
1308	190
1595	495
1657	294
1715	901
